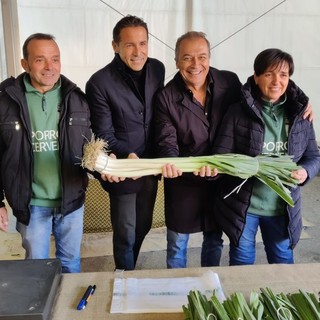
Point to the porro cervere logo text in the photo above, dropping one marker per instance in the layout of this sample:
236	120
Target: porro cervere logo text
44	141
275	147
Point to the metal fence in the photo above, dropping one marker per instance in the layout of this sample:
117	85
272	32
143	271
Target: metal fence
97	208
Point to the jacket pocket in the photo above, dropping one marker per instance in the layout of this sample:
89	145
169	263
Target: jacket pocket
10	125
78	119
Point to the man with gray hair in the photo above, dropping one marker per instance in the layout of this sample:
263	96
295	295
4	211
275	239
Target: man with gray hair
187	115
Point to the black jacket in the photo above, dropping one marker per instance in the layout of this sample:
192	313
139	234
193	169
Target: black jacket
121	117
183	130
16	155
242	131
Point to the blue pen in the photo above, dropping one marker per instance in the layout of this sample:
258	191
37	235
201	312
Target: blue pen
86	297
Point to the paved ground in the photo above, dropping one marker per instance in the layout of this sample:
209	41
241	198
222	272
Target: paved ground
307	250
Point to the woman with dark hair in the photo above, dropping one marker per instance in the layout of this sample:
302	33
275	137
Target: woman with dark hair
268	120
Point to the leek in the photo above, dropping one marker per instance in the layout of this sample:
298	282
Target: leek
265	305
274	171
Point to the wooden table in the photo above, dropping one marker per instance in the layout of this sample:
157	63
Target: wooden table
280	278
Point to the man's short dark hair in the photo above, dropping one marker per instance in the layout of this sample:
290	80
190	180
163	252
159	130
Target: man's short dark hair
37	36
125	22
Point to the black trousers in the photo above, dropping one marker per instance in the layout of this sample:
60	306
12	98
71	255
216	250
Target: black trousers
131	218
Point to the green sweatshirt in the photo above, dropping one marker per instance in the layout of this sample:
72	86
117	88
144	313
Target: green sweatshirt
264	201
44	117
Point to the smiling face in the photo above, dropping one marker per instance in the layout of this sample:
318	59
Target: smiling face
273	82
132	47
42	64
193	61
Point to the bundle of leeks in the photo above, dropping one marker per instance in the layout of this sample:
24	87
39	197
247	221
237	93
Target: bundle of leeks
265	305
274	171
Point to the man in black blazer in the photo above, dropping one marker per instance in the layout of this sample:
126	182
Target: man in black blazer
121	99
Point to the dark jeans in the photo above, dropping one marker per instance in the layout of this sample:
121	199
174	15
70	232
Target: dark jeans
211	250
131	218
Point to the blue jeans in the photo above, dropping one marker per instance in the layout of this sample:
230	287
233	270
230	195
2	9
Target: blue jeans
274	231
177	244
67	231
131	218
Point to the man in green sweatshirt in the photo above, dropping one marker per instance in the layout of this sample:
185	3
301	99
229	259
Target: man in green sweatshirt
44	124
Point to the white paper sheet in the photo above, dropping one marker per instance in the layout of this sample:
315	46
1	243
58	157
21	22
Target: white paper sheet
157	295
